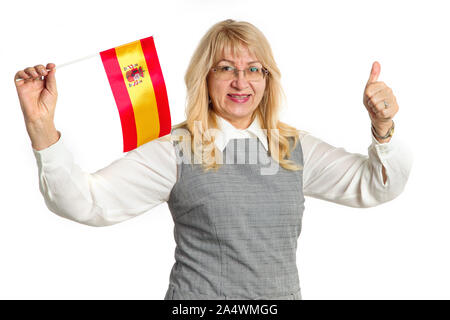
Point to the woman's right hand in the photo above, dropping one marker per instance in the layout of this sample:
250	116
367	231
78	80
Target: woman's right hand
38	102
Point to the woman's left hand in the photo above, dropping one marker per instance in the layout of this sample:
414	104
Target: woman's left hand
380	101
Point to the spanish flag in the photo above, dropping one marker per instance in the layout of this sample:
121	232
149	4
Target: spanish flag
137	83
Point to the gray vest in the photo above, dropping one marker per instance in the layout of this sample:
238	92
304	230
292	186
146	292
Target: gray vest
236	229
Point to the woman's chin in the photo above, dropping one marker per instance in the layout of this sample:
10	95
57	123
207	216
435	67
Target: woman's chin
241	115
240	111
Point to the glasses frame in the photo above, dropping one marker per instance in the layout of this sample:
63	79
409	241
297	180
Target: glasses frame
265	72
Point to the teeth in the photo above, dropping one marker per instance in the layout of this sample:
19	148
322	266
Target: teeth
239	97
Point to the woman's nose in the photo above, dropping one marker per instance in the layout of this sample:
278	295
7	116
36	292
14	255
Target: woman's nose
240	81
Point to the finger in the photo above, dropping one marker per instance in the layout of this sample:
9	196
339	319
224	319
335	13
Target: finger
384	114
381	114
20	77
50	80
374	87
51	66
31	72
380	110
372	108
375	72
40	69
381	96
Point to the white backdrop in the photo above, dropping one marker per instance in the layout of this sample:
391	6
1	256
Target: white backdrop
325	49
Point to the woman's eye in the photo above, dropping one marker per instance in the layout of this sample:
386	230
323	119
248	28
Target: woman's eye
226	68
253	69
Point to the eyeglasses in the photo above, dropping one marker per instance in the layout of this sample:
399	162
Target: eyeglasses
226	72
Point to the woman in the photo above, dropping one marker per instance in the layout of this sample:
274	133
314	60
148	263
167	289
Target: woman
233	175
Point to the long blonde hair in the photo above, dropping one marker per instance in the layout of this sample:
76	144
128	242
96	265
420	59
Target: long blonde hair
231	34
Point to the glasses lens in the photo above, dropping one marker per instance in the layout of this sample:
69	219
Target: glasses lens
224	72
254	73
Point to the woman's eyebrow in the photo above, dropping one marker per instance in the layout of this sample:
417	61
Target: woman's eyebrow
233	61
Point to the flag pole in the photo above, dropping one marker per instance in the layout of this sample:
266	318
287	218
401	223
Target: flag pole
69	63
76	60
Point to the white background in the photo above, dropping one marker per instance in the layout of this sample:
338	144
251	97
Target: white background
325	49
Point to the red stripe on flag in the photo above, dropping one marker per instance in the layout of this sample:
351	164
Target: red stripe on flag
123	101
154	69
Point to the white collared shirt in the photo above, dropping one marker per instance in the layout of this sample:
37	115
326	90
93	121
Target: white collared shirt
144	177
228	132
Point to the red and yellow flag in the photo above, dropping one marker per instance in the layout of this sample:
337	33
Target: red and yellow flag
139	90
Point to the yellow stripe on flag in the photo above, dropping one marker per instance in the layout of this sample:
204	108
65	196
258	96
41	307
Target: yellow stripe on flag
142	95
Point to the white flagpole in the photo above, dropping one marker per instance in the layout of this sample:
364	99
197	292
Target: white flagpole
76	60
70	62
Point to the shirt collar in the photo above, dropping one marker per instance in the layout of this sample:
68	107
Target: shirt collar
227	132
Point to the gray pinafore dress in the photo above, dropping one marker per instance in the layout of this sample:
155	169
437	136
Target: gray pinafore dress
236	229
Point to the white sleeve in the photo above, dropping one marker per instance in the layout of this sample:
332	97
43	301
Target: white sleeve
353	179
129	186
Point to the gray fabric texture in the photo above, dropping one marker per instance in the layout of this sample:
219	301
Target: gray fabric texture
236	229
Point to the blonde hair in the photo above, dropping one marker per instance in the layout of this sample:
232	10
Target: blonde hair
230	34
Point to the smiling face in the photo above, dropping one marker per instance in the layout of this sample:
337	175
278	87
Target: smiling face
236	99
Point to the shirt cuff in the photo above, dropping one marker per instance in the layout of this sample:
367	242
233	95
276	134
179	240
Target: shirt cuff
53	156
386	148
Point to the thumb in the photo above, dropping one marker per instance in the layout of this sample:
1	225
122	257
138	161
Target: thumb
50	80
375	72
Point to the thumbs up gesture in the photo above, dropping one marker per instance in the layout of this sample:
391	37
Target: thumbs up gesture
380	101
